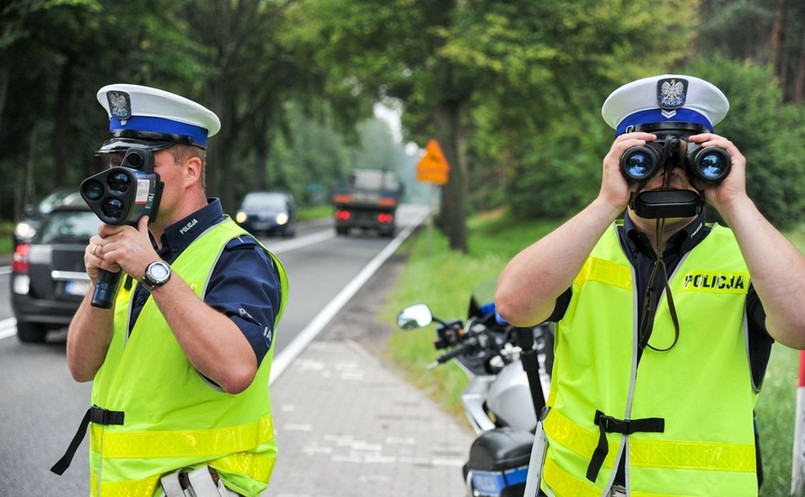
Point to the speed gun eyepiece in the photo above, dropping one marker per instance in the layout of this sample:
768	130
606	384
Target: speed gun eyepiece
641	163
139	159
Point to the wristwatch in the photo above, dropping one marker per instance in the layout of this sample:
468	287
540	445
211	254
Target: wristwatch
156	274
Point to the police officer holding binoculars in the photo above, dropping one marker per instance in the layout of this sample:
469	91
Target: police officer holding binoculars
664	322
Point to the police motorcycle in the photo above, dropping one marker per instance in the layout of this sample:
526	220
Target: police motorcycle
509	370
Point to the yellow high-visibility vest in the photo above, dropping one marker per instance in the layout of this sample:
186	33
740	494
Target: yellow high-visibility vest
173	417
698	396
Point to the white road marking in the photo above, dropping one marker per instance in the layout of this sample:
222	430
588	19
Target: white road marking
303	339
8	328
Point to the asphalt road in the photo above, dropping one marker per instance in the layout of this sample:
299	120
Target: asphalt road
41	406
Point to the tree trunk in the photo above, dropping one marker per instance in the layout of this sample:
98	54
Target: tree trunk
4	80
798	92
261	151
776	36
450	136
61	120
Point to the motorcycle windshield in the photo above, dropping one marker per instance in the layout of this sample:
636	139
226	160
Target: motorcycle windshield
482	300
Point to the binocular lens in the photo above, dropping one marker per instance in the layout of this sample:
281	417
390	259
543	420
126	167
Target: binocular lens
639	163
113	209
119	182
712	164
93	190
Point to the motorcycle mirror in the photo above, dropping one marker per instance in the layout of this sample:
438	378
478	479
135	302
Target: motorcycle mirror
416	316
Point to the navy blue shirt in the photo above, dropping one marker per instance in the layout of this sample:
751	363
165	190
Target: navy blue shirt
244	284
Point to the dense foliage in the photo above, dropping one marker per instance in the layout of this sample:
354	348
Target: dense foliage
562	174
512	89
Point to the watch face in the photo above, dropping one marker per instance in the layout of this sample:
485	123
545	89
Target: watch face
158	272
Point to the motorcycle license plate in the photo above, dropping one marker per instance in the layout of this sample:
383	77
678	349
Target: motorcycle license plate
493	483
488	484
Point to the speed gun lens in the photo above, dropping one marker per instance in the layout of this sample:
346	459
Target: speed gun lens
639	163
113	209
93	190
119	182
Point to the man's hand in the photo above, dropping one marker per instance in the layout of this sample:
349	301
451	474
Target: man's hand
117	247
724	194
615	189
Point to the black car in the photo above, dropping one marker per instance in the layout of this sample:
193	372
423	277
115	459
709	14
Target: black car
48	277
270	213
32	219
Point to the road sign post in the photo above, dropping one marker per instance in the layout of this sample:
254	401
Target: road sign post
432	168
798	461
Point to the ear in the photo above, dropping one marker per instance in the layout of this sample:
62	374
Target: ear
192	171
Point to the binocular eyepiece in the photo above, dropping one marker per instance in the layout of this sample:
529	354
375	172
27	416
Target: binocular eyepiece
708	164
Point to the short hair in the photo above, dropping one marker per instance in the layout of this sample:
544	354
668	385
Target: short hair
183	152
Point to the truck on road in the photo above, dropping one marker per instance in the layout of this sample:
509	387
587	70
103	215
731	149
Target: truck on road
367	200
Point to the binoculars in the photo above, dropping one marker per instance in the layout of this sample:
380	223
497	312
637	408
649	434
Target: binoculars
708	164
122	195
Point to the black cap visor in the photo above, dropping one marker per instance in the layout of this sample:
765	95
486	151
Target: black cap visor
120	141
114	145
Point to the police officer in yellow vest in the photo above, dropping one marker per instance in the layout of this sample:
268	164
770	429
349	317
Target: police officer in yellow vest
664	323
181	362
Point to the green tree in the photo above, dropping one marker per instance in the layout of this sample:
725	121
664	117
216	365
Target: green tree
51	122
765	130
516	62
764	31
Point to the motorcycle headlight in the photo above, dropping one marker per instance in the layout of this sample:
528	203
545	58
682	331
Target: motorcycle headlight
282	218
241	217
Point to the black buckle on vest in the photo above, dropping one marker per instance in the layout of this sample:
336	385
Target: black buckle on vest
105	417
608	424
96	415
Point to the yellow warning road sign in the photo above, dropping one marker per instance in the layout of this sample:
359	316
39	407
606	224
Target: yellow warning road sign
432	167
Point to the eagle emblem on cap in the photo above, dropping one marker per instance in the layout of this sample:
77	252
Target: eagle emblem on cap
119	104
671	93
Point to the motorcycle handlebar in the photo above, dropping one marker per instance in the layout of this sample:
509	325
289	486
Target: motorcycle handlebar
461	349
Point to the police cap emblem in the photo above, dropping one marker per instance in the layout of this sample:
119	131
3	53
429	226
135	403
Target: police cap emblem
672	93
119	105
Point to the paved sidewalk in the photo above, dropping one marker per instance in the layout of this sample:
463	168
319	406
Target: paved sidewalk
349	426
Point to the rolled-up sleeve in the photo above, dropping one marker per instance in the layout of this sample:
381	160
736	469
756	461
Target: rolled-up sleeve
245	287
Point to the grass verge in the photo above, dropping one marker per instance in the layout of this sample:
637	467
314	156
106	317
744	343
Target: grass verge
317	212
444	280
6	244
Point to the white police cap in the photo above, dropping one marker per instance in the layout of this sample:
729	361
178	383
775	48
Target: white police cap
664	99
156	119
